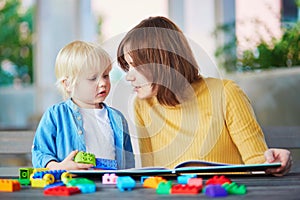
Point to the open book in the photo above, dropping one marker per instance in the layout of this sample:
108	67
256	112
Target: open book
191	166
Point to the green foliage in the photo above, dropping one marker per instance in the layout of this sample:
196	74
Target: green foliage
282	52
226	54
15	42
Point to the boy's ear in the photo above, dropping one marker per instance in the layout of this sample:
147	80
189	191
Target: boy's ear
67	85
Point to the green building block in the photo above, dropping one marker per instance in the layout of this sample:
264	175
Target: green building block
79	181
164	187
234	188
86	158
24	175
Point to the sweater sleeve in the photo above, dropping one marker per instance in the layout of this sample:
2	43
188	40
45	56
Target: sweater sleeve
243	126
144	140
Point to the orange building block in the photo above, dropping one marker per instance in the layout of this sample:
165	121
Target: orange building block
7	185
152	182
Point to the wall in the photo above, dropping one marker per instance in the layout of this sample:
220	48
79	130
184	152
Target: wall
274	95
17	106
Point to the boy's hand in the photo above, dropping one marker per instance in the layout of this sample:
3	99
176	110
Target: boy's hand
68	163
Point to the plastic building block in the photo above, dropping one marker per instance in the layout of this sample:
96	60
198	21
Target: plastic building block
125	183
39	183
152	182
185	189
79	181
66	177
59	183
61	191
86	158
7	185
234	188
85	185
87	188
109	179
218	180
183	179
164	187
24	175
37	170
43	178
56	174
102	163
215	191
143	178
196	182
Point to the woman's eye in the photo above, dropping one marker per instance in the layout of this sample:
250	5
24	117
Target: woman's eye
92	79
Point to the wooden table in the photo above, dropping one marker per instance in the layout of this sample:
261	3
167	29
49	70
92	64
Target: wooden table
258	187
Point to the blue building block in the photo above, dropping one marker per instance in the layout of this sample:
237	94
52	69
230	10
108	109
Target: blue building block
56	173
183	179
87	188
102	163
215	191
143	178
55	184
125	183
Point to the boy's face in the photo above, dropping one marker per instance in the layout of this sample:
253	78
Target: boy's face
91	88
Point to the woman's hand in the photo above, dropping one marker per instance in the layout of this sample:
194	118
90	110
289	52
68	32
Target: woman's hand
279	155
68	163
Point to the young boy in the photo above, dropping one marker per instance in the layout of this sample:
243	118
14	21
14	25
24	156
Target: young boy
82	122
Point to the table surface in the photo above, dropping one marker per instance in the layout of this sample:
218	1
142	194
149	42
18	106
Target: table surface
258	187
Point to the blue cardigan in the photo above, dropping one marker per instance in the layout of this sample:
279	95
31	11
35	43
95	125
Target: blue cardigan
60	131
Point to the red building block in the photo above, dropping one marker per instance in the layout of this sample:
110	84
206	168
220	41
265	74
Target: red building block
61	191
218	180
185	189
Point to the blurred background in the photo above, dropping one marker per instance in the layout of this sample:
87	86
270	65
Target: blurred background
255	43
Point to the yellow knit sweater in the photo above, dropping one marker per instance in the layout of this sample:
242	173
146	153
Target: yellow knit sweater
217	124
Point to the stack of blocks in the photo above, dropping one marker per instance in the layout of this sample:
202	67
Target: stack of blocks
217	186
61	183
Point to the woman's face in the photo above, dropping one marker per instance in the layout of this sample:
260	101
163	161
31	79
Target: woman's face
139	82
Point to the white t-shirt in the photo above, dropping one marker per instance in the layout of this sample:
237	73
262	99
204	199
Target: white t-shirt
99	137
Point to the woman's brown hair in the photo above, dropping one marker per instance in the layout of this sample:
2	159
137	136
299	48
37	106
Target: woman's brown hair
161	52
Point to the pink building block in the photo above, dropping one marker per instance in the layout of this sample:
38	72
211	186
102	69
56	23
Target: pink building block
109	179
198	182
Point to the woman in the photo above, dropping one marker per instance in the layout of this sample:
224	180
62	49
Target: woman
181	115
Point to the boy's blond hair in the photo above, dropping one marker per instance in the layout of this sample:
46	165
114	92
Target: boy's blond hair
74	59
